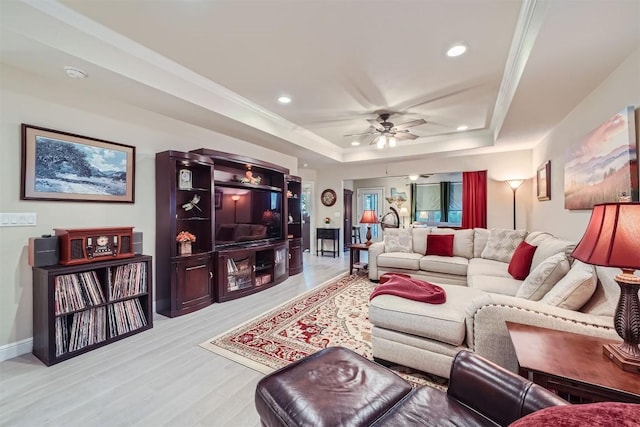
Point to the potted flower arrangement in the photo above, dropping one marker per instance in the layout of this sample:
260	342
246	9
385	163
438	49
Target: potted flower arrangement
184	239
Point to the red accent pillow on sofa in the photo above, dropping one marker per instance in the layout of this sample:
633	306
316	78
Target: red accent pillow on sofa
520	263
440	244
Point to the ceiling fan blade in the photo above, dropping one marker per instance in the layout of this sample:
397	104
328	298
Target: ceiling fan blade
411	124
376	124
374	140
361	134
405	135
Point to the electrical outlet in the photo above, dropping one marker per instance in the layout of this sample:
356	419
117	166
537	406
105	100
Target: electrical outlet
27	219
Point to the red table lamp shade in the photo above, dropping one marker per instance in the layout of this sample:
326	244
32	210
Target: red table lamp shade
612	238
369	217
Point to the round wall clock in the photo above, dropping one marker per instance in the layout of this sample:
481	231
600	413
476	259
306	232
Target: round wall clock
328	197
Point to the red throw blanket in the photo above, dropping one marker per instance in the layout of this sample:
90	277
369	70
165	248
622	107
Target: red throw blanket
414	289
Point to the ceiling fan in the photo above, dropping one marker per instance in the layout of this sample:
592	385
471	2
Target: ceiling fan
388	133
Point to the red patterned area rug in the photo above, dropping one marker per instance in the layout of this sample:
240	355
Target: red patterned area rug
332	314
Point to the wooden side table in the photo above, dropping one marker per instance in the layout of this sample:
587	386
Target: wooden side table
571	363
354	256
323	234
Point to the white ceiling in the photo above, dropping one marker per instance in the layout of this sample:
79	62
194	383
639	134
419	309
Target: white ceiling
222	64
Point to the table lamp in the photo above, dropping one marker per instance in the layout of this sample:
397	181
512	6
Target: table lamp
369	217
612	239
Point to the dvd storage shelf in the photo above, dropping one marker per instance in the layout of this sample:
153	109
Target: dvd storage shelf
80	308
244	271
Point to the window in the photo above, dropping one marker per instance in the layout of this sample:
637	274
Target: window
438	203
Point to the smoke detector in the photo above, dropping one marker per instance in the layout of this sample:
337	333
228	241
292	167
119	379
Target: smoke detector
75	73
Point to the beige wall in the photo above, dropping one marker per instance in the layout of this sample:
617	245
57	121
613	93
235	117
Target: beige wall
620	89
26	99
499	167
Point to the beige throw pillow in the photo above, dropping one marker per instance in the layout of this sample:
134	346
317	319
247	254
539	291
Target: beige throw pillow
543	277
502	244
397	240
575	289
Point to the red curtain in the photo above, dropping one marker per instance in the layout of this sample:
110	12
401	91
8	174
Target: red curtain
474	199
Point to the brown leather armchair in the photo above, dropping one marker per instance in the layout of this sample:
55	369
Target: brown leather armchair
337	387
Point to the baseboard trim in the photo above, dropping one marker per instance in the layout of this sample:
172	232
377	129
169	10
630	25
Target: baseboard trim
15	349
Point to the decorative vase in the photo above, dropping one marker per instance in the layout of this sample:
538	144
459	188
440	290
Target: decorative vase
185	248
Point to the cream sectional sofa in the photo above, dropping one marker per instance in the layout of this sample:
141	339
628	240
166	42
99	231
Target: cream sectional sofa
481	296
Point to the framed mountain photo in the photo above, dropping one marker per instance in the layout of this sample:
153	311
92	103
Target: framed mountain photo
64	166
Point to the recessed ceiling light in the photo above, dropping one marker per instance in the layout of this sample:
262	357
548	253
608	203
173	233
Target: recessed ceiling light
75	73
305	165
456	50
284	99
355	143
463	127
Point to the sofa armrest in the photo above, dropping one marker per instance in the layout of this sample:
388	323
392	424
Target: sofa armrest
487	332
494	392
375	249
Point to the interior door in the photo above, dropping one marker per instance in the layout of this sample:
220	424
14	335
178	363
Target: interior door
370	198
348	216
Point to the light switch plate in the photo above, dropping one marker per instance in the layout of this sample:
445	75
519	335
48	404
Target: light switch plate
26	219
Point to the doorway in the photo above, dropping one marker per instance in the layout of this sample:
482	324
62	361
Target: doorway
370	199
307	211
348	217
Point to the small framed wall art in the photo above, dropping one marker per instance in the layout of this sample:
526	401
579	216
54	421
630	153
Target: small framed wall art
543	180
64	166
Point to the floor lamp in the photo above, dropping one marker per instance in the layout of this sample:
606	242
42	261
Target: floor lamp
612	239
514	184
235	199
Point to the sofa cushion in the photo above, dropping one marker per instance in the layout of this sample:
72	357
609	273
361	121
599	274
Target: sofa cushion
398	240
574	289
502	243
439	244
536	237
405	261
487	267
449	265
544	277
462	241
605	298
480	239
551	246
420	239
440	322
520	263
494	284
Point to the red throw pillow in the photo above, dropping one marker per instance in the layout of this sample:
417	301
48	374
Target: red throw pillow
520	263
440	244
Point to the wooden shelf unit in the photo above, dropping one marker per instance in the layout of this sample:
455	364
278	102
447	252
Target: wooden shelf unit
244	271
294	222
76	308
184	282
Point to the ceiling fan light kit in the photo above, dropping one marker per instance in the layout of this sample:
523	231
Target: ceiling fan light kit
387	133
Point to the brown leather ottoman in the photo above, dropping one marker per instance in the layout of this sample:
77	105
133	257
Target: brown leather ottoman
332	387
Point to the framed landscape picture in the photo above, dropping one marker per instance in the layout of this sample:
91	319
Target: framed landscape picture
603	166
63	166
543	180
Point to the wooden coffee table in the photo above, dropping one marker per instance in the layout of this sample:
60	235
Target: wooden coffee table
571	363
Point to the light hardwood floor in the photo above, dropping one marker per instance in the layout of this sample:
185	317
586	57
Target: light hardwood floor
156	378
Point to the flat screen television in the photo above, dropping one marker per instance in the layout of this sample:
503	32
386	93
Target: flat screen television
245	216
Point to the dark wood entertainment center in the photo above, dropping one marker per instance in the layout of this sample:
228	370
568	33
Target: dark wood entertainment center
246	217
